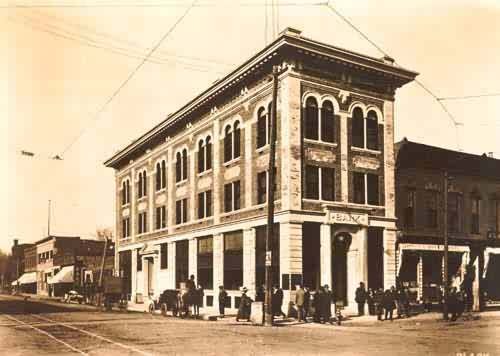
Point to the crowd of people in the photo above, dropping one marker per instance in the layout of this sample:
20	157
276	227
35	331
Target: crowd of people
317	304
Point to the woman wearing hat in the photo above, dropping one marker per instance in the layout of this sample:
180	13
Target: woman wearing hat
245	306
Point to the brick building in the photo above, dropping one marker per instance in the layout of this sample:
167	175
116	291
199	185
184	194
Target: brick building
191	192
24	267
473	220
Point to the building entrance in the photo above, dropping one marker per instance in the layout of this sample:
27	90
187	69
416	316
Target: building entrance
311	264
340	246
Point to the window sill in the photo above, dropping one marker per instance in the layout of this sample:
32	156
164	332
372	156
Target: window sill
229	213
163	229
205	219
321	201
142	234
162	190
231	162
143	198
367	150
262	148
124	206
181	182
204	173
351	205
319	142
125	239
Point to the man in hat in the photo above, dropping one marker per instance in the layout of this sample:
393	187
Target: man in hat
327	306
222	301
245	306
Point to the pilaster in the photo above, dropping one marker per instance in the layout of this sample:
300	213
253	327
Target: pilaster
389	258
326	254
151	197
192	186
344	158
171	265
134	274
218	246
193	260
133	199
249	260
170	192
216	174
389	160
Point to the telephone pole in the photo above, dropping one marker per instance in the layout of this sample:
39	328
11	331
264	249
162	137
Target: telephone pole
445	257
268	314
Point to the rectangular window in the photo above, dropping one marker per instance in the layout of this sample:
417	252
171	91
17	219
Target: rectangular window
232	196
233	260
475	211
205	204
164	256
161	217
410	208
431	197
455	212
327	184
142	223
261	187
181	211
205	263
312	182
126	227
358	181
139	260
372	187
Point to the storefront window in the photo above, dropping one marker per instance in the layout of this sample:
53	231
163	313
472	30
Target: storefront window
233	260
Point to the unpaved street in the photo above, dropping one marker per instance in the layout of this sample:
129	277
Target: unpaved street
43	328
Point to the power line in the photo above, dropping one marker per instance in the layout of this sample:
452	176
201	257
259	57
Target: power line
91	42
130	76
154	5
468	96
362	34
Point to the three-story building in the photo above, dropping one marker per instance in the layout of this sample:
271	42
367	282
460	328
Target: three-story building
191	192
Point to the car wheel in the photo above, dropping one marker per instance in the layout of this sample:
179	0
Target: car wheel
163	309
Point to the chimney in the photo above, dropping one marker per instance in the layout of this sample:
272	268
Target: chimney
290	31
16	242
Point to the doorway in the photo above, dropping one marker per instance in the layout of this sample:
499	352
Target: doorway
181	262
375	258
150	275
340	246
311	264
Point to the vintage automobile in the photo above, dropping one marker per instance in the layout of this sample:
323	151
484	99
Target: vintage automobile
73	296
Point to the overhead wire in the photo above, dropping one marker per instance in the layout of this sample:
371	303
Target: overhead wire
426	89
130	76
465	97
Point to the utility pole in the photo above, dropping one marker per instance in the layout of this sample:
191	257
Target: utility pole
268	314
445	230
48	220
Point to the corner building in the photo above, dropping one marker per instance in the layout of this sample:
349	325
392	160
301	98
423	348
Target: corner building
191	192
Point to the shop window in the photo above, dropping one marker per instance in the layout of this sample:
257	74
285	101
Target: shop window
205	262
233	260
181	262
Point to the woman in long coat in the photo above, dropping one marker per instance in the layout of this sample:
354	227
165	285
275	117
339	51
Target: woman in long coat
245	306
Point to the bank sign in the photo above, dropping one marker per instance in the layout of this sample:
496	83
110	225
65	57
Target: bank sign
336	217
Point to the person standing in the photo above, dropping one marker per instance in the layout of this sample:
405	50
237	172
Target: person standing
378	302
190	284
307	303
369	301
299	302
198	300
317	299
222	301
389	304
245	308
327	306
277	301
360	298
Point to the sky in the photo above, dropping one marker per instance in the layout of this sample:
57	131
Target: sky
63	61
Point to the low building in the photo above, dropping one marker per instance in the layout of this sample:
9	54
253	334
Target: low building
63	262
473	220
191	192
24	265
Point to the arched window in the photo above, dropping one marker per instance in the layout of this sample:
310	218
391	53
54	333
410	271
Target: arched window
208	150
236	139
358	128
201	156
139	186
178	167
158	177
142	184
124	192
228	144
327	122
163	174
372	130
184	163
262	128
311	119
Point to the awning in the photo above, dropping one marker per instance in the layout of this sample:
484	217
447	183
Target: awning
65	275
26	278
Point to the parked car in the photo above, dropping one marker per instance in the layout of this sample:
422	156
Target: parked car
73	296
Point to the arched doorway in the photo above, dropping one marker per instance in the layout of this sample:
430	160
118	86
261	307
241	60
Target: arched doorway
340	246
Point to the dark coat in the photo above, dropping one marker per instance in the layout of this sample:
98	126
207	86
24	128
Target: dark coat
326	304
360	295
277	301
222	296
245	307
388	301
